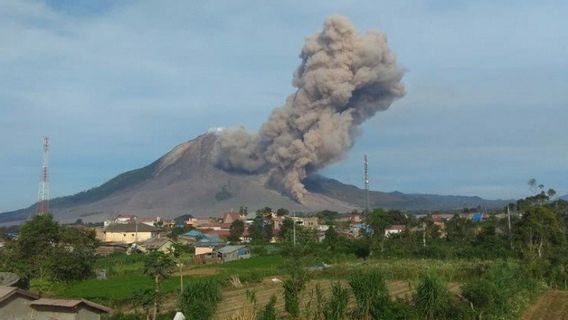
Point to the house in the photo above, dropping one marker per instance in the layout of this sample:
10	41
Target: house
222	233
360	229
15	303
127	218
231	253
394	229
194	222
195	234
63	309
18	304
440	219
230	217
151	221
205	249
307	222
129	233
163	245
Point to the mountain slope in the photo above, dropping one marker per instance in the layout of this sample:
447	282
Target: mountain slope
185	180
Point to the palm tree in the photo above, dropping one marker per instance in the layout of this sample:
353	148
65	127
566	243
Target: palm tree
158	266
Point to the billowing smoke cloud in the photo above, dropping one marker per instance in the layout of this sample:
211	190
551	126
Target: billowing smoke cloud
344	79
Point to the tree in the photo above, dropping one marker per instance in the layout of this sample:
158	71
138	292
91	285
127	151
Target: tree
158	266
256	230
200	298
540	230
74	255
261	229
266	212
331	238
460	229
35	245
282	212
378	222
236	230
285	229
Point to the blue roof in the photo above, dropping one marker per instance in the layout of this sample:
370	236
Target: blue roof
477	217
194	234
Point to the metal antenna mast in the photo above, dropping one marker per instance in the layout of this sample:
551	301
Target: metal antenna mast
43	193
366	169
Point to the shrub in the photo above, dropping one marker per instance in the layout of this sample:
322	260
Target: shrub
269	310
336	307
200	298
371	294
433	301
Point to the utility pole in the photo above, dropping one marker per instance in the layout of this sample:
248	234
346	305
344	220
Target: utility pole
43	193
294	228
424	234
136	234
366	179
180	265
510	230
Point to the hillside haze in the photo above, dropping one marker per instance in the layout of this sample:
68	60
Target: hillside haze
186	180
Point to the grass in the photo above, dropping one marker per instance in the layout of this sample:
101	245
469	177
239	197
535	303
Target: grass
411	269
125	277
254	263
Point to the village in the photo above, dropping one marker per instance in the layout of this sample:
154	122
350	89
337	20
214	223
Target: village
204	241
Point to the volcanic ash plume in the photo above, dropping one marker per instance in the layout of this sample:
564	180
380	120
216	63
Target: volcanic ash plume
344	79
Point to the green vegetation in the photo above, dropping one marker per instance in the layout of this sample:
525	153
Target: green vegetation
46	250
199	299
459	269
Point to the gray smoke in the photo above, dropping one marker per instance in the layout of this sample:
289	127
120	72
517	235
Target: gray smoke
344	79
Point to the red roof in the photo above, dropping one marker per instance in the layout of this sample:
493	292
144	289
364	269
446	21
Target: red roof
233	215
220	233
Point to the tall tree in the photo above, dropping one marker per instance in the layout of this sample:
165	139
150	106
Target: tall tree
540	230
158	266
236	230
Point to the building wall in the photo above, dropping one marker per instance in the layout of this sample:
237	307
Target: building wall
86	314
230	256
15	308
167	247
53	314
203	250
127	237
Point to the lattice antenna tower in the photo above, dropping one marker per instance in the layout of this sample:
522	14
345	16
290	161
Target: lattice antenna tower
366	177
43	193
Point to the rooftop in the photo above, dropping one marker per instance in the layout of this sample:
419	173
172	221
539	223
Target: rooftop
7	292
227	249
131	227
63	303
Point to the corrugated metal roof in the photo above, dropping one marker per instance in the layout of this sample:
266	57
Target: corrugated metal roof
7	292
66	303
228	249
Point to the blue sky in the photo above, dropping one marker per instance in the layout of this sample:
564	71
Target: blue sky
116	84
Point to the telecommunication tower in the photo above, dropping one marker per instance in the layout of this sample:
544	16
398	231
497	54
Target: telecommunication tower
366	177
43	193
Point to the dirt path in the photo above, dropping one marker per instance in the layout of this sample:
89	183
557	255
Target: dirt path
552	305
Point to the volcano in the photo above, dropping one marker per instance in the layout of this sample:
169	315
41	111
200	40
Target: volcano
187	181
